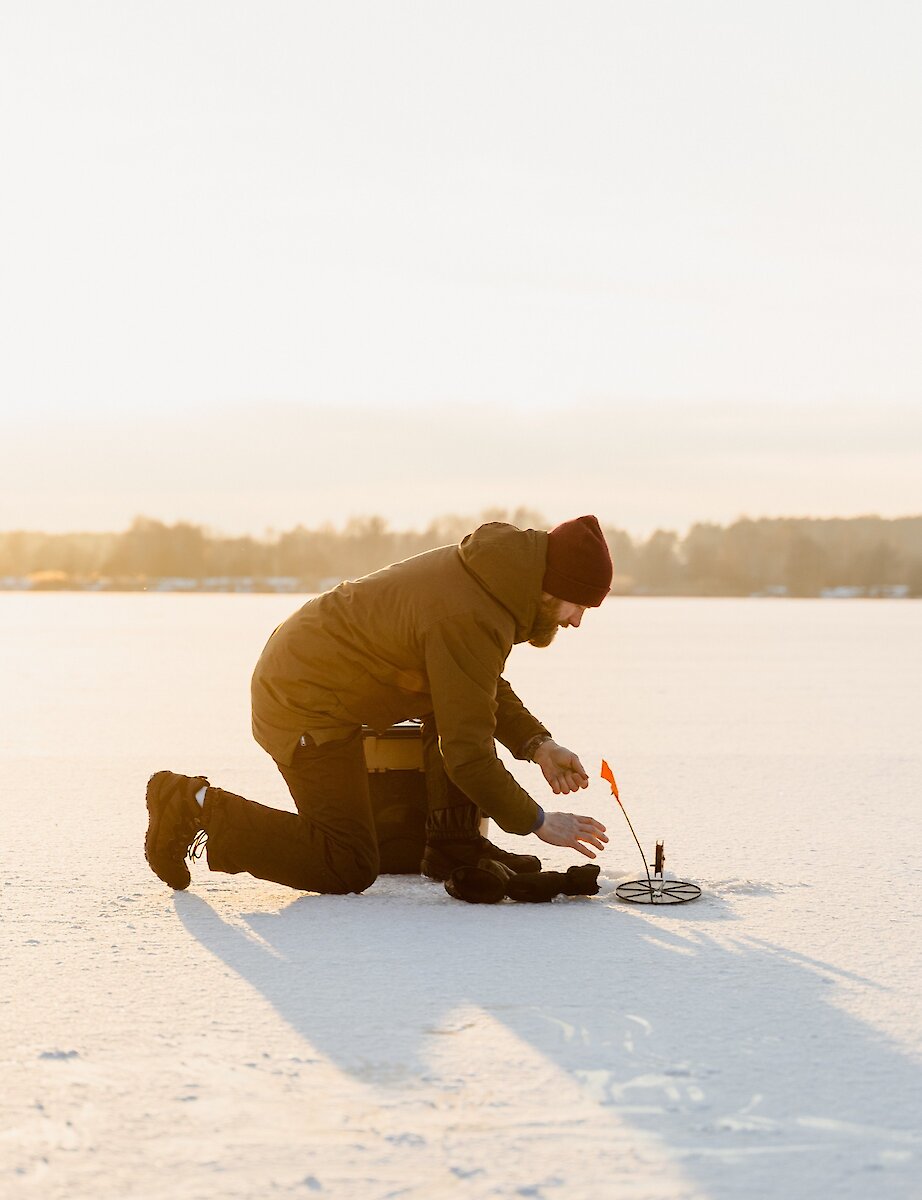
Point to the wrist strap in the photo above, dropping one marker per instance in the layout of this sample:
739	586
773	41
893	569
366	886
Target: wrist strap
528	750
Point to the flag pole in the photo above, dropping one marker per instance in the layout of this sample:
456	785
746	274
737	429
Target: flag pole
609	776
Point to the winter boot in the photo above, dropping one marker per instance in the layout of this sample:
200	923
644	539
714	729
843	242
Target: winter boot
453	840
489	882
518	864
175	830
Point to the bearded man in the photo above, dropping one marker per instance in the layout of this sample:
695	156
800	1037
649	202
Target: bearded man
427	637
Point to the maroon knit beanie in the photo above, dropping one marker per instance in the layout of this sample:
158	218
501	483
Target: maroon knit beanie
578	563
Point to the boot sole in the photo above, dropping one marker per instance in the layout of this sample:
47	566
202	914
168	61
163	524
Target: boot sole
181	880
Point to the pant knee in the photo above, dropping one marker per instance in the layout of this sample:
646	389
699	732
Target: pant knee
360	876
351	873
361	884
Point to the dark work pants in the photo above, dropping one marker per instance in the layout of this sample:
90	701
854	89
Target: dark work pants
329	845
451	813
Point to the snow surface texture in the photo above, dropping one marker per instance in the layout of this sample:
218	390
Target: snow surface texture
241	1040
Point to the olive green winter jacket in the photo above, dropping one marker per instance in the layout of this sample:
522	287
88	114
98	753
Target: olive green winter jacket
427	635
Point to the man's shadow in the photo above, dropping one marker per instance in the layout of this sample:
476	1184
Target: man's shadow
699	1038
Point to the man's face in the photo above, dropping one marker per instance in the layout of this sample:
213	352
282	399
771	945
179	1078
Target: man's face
554	614
570	614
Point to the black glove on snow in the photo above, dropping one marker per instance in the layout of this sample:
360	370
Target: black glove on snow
540	888
489	882
483	884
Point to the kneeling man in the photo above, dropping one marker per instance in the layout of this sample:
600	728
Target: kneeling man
427	637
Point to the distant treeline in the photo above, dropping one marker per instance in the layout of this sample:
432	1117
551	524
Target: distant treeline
782	556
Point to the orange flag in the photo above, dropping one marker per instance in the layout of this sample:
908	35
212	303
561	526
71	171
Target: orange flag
608	775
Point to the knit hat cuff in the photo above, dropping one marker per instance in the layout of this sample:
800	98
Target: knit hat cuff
575	591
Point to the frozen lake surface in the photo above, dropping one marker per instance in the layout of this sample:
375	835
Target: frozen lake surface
242	1040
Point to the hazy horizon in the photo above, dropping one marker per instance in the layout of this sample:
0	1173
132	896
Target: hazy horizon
340	527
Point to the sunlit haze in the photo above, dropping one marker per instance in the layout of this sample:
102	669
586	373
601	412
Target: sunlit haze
269	264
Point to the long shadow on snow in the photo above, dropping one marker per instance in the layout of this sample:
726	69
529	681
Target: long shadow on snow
720	1047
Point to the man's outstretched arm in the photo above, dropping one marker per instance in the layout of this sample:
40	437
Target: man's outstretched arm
564	774
516	727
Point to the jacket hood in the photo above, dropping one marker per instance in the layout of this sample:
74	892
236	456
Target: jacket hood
509	563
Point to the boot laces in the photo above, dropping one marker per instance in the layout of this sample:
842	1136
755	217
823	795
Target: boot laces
197	846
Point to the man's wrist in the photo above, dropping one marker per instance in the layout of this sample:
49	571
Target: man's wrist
530	749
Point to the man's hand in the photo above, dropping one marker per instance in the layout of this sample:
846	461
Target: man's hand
567	829
562	769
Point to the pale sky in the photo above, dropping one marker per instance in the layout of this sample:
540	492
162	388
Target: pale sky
269	263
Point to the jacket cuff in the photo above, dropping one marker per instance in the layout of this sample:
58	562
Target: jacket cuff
540	821
527	749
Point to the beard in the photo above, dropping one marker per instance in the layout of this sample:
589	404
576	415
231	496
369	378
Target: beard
545	626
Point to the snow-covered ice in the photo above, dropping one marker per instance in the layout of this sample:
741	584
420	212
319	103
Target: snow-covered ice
241	1040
